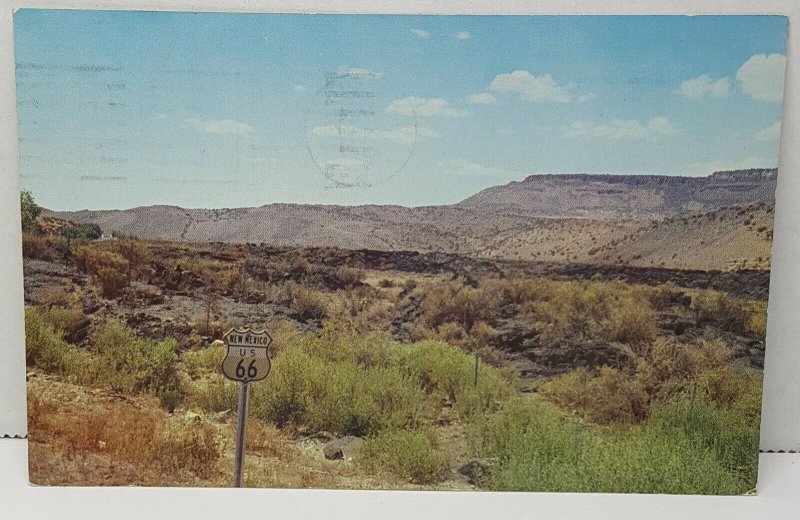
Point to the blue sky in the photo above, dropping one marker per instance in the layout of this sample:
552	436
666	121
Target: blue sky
122	109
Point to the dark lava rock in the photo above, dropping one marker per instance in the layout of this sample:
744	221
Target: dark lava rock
477	471
80	332
343	448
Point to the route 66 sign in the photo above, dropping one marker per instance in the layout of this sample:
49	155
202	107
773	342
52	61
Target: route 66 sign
247	359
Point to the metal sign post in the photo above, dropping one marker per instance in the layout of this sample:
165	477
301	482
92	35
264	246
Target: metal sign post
241	431
247	360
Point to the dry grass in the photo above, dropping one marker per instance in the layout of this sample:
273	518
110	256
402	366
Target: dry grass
42	247
124	432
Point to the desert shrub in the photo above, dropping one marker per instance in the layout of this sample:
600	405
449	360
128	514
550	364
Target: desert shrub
408	454
366	383
664	369
727	312
134	253
612	396
362	309
109	269
61	297
39	247
631	323
450	302
757	323
475	340
46	349
169	398
581	311
348	277
305	302
652	459
128	363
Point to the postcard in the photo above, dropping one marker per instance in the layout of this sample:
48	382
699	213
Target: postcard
480	253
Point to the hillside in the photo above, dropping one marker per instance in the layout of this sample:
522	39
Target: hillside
723	221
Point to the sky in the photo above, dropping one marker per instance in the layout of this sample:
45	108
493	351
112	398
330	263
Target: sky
122	109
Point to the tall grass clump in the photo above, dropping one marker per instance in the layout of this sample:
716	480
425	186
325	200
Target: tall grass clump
727	312
131	364
609	397
410	455
535	448
688	445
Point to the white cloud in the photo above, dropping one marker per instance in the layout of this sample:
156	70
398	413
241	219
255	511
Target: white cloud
536	89
762	76
423	107
220	126
629	129
484	98
470	169
770	133
359	72
707	168
299	88
462	35
419	33
505	131
402	134
703	86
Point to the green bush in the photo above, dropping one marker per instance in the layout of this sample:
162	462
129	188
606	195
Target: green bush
46	349
83	232
128	363
65	320
363	384
408	454
29	211
208	359
337	396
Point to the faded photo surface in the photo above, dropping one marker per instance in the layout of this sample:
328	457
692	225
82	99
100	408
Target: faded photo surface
491	253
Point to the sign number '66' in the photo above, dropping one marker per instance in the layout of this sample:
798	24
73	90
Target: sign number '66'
247	358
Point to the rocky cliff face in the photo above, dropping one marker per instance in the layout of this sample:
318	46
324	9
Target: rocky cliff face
626	196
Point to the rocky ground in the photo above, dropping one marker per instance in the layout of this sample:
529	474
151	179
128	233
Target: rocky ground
170	299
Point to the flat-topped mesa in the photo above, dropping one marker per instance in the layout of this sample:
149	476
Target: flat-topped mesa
751	174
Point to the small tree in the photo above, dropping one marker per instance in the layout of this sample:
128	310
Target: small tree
29	211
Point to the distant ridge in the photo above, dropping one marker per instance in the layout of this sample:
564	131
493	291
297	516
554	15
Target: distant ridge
577	218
